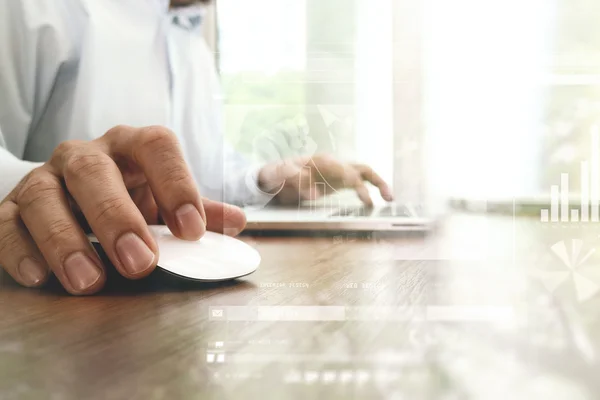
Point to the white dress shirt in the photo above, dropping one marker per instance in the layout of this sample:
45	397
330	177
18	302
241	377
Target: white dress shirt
72	69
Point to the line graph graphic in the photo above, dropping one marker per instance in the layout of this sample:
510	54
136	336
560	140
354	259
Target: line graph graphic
327	193
589	207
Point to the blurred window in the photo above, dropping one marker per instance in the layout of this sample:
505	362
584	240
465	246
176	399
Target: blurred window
510	88
512	94
325	64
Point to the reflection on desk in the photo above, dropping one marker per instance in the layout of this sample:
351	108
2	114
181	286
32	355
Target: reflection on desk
487	308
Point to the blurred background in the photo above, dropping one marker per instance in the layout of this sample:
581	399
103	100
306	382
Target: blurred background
475	99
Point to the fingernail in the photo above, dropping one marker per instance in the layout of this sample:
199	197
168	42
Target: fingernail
32	272
134	253
233	232
81	271
190	222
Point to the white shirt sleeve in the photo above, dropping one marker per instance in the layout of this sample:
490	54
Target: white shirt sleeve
247	185
42	102
12	170
19	48
223	174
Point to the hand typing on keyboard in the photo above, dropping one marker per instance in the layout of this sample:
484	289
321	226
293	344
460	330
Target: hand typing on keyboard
321	175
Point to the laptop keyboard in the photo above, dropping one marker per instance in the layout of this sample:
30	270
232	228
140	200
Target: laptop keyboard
379	212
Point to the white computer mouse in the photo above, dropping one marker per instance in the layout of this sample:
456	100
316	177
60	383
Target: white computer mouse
213	258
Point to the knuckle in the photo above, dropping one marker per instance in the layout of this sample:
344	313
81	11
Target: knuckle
358	182
351	180
117	132
65	148
9	219
363	168
176	175
110	209
8	214
84	165
8	243
37	187
56	233
158	134
157	141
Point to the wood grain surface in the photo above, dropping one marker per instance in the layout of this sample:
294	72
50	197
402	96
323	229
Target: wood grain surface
485	308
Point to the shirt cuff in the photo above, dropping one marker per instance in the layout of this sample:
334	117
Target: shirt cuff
258	196
13	172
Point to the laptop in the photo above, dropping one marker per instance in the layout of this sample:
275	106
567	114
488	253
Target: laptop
343	211
390	217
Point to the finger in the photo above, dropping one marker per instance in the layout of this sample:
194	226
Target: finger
363	194
156	150
224	218
144	200
361	189
19	256
96	184
368	174
45	211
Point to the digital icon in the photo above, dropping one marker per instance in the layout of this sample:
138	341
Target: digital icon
589	209
213	357
573	259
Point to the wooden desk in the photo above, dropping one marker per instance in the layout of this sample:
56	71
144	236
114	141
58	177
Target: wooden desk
464	313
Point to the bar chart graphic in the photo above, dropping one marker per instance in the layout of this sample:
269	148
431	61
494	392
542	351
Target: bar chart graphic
589	207
329	201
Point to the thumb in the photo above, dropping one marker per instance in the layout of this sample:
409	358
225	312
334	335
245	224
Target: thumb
223	218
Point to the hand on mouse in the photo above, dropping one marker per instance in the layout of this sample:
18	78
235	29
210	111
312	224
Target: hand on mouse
116	185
